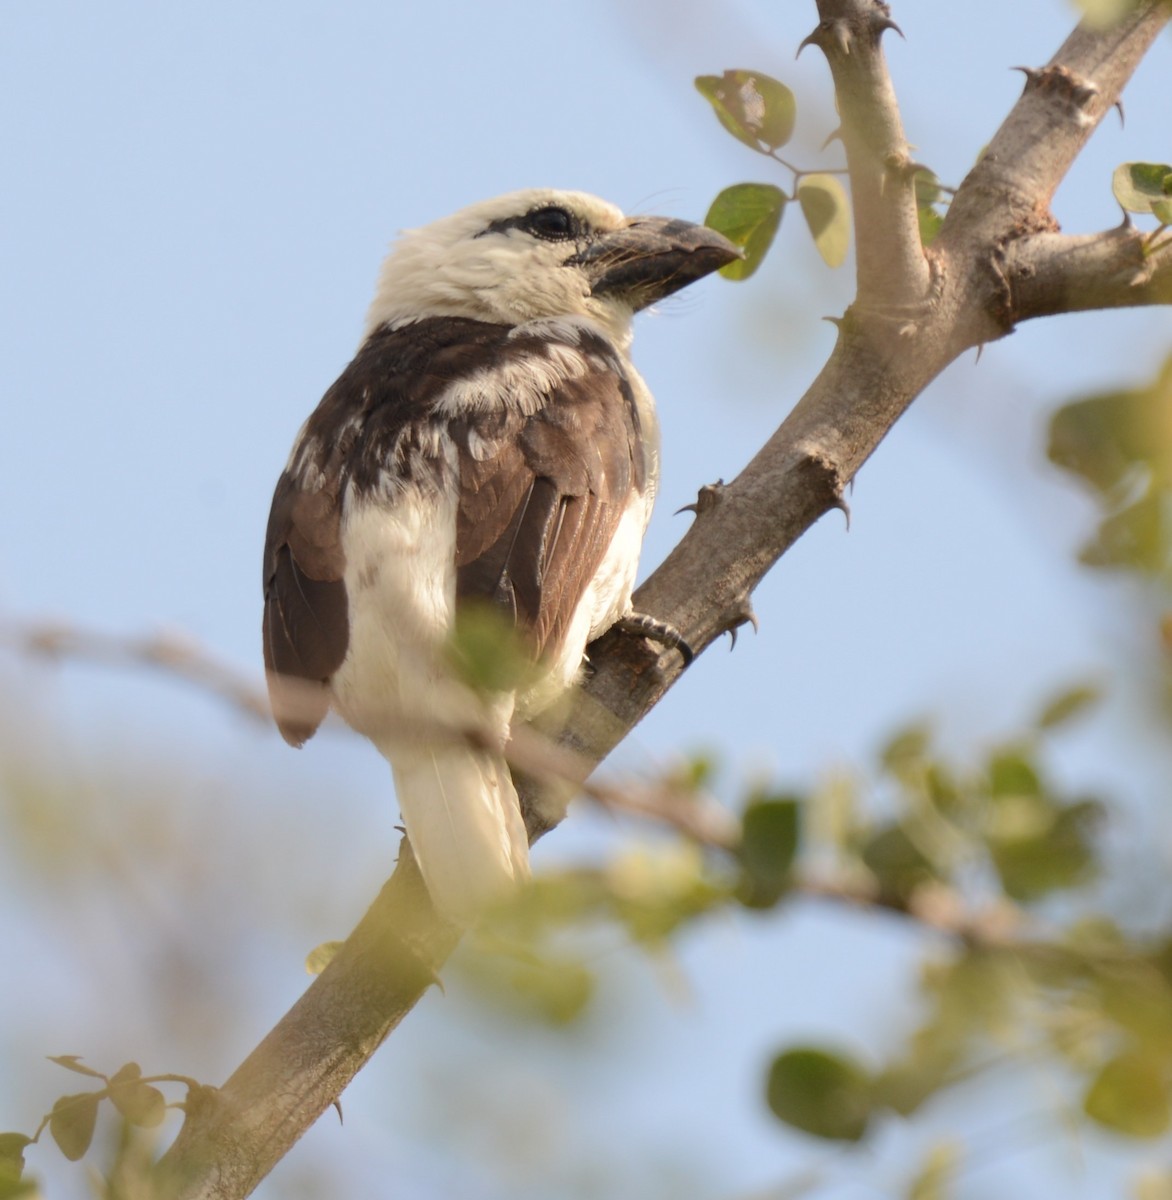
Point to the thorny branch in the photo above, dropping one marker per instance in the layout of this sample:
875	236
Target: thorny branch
998	260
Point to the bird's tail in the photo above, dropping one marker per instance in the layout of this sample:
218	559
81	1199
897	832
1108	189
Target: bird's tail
464	823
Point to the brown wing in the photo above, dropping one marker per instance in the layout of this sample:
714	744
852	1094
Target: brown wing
541	497
306	619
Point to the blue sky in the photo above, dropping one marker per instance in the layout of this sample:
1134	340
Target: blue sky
198	200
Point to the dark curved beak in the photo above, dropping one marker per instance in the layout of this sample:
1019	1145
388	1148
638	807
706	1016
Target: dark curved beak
651	257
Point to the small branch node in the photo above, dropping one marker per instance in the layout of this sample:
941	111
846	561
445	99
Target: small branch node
1063	83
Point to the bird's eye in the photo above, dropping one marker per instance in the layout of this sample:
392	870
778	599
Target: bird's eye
553	224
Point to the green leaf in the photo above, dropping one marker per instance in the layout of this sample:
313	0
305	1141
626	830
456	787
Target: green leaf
930	222
769	841
1136	536
748	214
1102	14
12	1157
1121	443
1066	706
529	984
827	212
1012	773
140	1103
754	108
897	863
906	750
1138	186
1138	998
1130	1096
319	957
823	1094
1057	852
1100	438
72	1062
72	1122
488	650
927	187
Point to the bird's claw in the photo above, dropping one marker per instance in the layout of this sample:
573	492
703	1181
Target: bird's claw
645	626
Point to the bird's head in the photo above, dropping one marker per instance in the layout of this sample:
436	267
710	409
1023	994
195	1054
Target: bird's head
543	253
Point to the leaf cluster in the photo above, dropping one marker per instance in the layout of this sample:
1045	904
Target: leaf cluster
761	112
1091	999
73	1118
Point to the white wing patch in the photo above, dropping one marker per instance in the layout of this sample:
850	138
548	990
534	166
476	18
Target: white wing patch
522	384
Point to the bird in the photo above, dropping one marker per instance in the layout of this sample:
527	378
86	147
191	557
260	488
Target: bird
489	444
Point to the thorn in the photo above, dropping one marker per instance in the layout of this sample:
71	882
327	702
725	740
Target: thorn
886	23
835	135
709	496
837	322
980	351
743	614
1119	105
908	329
843	507
338	1108
812	38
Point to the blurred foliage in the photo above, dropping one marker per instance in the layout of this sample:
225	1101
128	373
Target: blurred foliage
978	852
1102	14
988	855
1119	444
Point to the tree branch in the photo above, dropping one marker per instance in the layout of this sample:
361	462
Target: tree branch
892	269
168	653
915	314
1052	273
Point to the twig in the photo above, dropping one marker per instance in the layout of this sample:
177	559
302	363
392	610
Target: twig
687	810
172	654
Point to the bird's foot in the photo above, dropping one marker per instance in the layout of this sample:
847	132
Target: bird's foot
645	626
